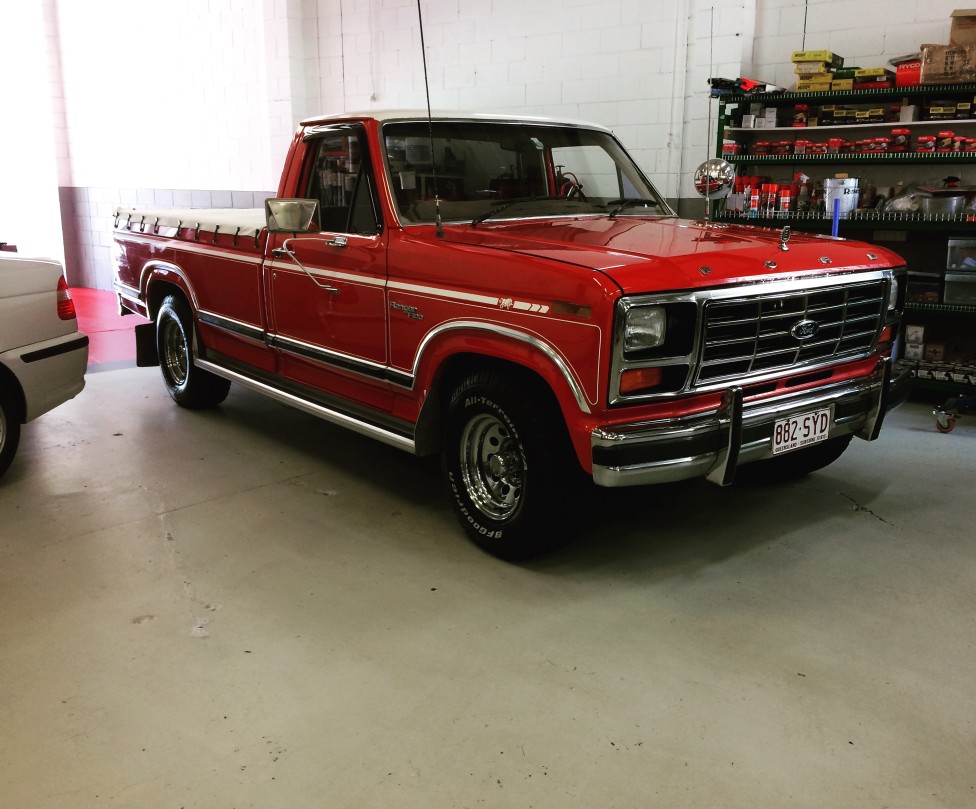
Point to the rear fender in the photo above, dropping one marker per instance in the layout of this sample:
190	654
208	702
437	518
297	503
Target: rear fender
162	278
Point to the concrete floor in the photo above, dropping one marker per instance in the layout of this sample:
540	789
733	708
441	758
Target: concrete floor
251	608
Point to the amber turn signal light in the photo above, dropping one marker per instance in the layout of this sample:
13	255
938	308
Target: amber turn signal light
639	379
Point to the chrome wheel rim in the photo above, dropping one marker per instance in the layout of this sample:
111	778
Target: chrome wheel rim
174	352
492	467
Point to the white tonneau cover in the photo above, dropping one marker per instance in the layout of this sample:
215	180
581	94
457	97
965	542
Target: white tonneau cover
241	221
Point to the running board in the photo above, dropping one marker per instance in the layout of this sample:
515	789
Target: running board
320	411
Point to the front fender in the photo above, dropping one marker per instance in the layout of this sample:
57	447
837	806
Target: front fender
455	348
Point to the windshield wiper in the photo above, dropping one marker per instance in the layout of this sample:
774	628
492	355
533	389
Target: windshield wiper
627	202
498	209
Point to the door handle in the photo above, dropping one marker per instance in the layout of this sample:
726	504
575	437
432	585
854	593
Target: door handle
337	241
279	253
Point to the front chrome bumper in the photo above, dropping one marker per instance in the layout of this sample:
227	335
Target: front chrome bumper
715	444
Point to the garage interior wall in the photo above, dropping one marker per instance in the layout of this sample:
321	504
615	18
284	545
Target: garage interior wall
193	103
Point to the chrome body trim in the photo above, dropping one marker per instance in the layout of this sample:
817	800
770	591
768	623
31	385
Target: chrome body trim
700	298
514	334
313	408
704	445
239	328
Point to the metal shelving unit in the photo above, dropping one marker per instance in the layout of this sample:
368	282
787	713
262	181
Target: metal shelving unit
904	232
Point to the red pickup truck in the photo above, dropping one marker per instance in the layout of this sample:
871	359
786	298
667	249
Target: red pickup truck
514	294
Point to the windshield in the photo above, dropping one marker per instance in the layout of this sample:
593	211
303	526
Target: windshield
481	169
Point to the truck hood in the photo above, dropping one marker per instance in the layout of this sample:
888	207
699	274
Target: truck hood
664	254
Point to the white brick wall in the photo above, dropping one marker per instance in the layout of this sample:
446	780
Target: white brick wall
29	151
166	96
866	33
205	94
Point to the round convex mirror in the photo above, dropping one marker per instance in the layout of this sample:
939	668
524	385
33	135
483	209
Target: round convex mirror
714	178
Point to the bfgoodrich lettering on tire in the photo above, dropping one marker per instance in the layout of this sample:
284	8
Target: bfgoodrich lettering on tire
188	385
508	465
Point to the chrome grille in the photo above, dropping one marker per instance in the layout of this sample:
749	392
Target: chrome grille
754	335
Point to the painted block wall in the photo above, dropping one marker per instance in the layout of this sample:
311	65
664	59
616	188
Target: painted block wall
200	97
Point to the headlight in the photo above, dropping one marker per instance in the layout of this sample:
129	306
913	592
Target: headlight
893	294
645	327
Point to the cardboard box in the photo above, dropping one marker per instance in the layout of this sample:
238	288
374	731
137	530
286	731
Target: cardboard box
914	351
935	352
813	86
842	84
814	75
908	74
914	334
863	72
818	56
962	29
945	64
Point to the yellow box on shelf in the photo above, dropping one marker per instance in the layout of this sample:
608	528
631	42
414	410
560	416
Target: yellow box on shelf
829	57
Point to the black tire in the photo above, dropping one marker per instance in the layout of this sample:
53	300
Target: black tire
509	466
796	464
188	385
9	431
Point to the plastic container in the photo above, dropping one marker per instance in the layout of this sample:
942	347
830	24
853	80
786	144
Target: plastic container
843	189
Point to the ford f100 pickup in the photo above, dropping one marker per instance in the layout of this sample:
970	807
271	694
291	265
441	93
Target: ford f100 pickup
514	295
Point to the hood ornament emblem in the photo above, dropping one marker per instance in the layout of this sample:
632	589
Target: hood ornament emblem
784	237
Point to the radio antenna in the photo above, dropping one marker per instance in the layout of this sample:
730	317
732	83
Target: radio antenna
430	130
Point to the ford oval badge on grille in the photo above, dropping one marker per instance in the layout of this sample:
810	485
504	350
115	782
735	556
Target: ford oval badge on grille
805	329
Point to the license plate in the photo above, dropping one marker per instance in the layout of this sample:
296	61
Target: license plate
801	431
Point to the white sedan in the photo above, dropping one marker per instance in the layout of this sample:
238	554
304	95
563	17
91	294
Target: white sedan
43	356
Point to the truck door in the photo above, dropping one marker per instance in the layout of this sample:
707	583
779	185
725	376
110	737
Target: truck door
327	289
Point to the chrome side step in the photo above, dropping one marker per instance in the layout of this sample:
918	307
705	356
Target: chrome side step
313	408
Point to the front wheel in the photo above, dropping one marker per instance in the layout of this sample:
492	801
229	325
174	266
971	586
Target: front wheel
188	385
9	431
508	466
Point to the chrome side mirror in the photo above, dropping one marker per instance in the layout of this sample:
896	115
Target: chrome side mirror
715	178
291	215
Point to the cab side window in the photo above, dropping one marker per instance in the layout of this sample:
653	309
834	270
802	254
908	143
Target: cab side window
340	179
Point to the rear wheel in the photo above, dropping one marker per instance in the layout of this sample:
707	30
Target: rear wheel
508	466
188	385
9	431
796	464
